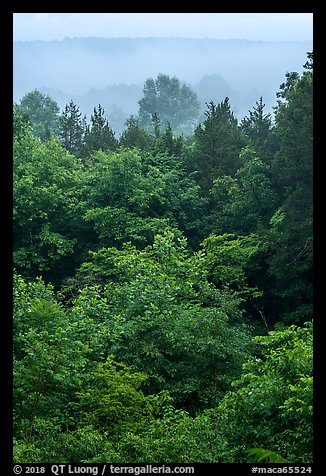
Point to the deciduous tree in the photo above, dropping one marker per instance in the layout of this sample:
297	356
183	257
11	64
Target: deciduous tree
43	113
171	101
270	406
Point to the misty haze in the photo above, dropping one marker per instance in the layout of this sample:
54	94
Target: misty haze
112	71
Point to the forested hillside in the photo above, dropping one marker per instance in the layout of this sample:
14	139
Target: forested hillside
163	279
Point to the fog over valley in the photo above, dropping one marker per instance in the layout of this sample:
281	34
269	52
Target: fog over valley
112	71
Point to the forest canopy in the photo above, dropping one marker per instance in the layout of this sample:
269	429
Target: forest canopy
163	280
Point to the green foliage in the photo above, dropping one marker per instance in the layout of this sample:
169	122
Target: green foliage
166	143
134	135
167	329
171	102
247	200
93	322
99	135
227	259
290	249
46	177
271	404
23	452
259	455
48	361
77	445
72	129
217	145
257	127
43	113
136	197
174	437
161	257
113	402
291	239
21	124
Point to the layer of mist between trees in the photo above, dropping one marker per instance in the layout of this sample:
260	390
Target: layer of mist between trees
111	72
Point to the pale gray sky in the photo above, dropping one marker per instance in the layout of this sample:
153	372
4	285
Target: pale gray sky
251	26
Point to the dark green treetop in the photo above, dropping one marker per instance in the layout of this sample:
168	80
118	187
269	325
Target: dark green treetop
99	135
217	144
72	128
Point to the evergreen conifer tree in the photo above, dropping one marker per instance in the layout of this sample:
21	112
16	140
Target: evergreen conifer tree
217	145
72	128
99	134
257	128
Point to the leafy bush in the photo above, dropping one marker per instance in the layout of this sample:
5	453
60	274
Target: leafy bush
270	406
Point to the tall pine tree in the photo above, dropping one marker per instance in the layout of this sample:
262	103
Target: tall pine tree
257	128
72	128
217	145
134	135
99	135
